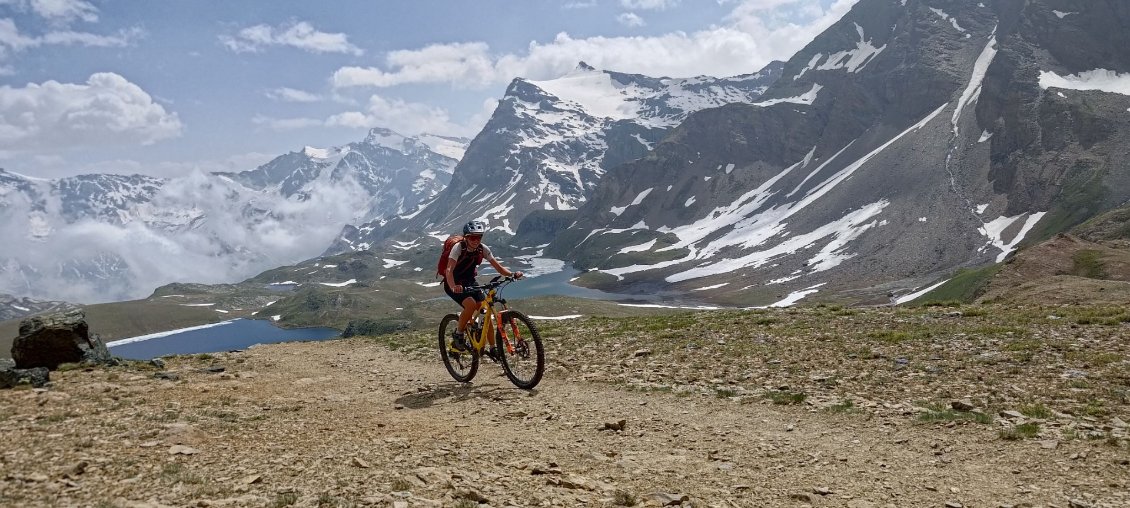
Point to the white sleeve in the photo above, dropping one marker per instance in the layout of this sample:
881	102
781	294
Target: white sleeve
486	253
455	252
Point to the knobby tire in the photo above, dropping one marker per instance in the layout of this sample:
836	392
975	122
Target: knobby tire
528	352
461	366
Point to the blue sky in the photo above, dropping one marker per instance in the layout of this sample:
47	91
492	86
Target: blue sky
168	87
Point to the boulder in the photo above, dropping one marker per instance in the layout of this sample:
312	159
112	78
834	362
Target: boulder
52	339
11	377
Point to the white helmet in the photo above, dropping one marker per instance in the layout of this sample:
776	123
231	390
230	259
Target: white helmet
475	227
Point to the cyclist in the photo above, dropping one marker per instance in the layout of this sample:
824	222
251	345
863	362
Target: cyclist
462	267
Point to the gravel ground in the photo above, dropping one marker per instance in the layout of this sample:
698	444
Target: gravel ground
946	407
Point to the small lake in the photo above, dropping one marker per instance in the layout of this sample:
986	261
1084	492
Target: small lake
556	283
224	336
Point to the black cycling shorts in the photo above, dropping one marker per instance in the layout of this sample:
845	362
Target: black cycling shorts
477	294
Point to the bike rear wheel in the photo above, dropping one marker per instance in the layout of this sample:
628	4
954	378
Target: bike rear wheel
461	366
521	351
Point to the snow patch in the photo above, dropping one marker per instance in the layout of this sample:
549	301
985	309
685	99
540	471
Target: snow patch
995	228
913	296
806	98
707	288
140	338
796	296
338	284
638	248
1097	79
974	87
617	210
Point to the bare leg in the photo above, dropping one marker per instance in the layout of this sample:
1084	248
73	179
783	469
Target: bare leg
469	308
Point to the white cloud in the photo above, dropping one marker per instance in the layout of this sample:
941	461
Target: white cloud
12	41
58	167
65	10
299	34
285	124
241	233
657	5
458	63
106	110
579	4
755	33
292	95
410	118
630	19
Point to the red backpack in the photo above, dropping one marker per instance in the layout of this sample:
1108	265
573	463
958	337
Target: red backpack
441	268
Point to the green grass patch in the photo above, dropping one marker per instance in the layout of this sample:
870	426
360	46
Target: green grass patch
964	287
1086	263
1022	431
787	398
725	393
284	499
1036	411
624	498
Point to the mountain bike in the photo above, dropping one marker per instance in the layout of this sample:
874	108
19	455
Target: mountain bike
508	337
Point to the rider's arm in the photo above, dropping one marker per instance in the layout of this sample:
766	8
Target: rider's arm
451	278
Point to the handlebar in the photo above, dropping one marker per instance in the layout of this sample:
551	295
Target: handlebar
494	283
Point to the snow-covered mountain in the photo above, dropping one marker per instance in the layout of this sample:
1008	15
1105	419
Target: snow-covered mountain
104	237
549	143
397	171
910	139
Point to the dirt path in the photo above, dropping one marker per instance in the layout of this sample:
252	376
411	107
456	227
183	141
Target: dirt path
350	423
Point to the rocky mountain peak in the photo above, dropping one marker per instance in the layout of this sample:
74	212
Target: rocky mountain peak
549	142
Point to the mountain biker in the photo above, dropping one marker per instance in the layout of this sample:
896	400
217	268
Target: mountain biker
461	270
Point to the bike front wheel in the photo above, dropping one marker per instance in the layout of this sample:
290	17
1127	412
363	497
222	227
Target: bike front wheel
461	365
520	349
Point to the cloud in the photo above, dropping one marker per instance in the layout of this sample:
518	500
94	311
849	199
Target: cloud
65	11
235	163
579	4
409	118
237	234
465	64
755	33
401	116
106	110
296	34
56	12
13	41
644	5
630	19
292	95
285	124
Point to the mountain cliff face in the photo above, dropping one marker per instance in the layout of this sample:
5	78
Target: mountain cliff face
549	143
909	139
93	238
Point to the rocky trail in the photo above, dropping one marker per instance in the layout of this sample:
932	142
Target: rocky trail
354	423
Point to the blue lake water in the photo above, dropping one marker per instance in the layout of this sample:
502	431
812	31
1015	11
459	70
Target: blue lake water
242	333
556	283
226	336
